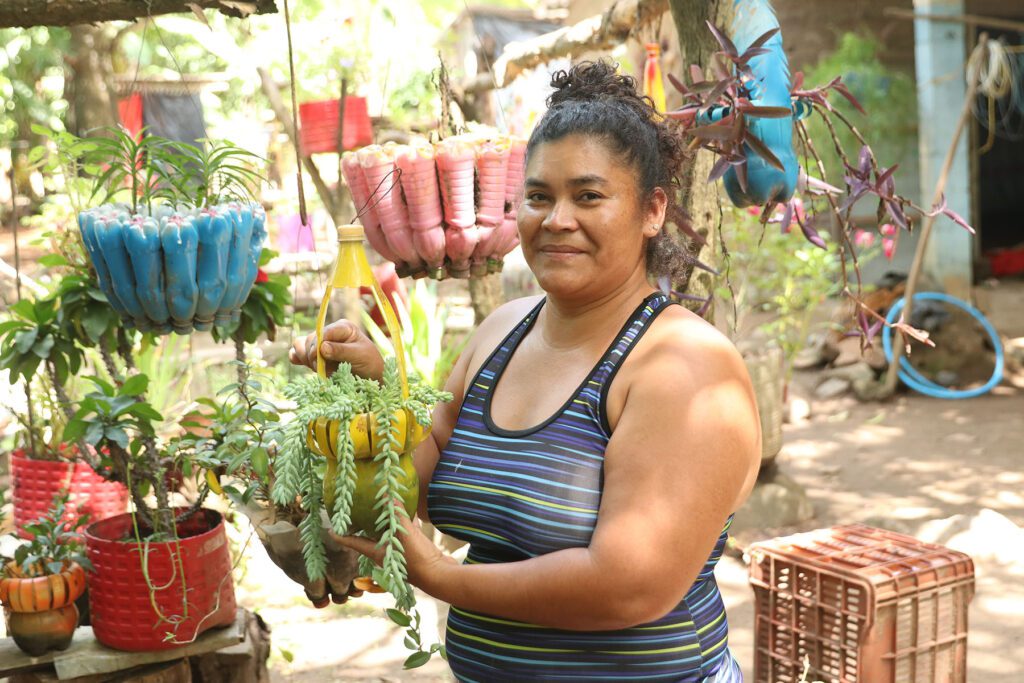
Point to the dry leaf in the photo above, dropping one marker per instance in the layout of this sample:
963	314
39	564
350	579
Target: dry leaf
243	8
200	15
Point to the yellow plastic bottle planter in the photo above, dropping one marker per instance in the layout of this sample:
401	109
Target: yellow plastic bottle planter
352	270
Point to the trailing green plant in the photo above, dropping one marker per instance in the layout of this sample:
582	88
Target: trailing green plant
56	542
300	472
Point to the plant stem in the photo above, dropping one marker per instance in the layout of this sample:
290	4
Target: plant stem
108	358
844	224
121	460
929	222
65	403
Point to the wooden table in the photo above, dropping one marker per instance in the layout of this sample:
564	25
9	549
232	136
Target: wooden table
232	654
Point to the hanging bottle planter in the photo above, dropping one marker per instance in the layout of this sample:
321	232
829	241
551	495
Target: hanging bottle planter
178	270
319	131
348	451
181	253
443	210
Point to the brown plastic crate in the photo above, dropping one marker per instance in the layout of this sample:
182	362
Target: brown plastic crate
863	605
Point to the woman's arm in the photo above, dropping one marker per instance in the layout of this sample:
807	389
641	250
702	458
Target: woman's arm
683	456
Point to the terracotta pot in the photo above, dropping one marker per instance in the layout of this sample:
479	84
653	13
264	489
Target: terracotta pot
140	595
40	610
36	482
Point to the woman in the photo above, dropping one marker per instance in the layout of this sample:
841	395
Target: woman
600	438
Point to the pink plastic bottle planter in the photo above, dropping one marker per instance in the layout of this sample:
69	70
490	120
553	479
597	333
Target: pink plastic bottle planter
455	167
491	172
423	200
365	204
379	167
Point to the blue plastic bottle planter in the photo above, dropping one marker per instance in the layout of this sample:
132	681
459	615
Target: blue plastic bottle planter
175	270
769	88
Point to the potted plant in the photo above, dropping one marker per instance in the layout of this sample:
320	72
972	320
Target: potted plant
39	348
338	460
179	253
39	585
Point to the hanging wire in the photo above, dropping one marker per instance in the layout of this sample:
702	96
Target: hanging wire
999	106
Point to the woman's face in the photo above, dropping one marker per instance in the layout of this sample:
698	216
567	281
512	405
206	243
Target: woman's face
583	224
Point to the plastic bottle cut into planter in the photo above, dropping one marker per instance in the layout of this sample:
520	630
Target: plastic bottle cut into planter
175	270
352	270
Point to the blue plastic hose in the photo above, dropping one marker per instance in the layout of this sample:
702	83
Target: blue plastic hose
909	375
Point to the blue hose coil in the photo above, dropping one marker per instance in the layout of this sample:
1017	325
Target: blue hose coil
910	376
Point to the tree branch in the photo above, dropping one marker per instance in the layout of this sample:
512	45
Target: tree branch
600	32
25	13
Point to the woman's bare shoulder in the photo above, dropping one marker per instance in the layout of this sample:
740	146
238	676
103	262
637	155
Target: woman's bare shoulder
684	339
494	328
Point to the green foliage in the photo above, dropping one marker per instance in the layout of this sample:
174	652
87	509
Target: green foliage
144	170
233	437
775	273
888	95
56	541
34	334
424	324
114	415
31	66
212	174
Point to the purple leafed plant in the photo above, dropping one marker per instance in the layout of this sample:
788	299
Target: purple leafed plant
714	115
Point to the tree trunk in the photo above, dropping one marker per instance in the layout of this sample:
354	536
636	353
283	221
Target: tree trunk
26	13
699	198
89	85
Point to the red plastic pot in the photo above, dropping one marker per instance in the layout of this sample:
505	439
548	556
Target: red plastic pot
319	131
122	599
36	482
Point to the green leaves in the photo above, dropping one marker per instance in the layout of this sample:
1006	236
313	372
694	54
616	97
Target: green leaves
114	415
56	541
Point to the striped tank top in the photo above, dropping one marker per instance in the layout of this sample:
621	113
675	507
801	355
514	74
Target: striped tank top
513	495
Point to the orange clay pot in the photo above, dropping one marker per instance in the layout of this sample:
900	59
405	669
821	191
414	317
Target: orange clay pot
40	610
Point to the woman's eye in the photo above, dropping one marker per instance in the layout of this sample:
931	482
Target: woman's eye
534	197
590	196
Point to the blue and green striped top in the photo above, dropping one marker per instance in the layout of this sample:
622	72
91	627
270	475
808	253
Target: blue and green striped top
519	494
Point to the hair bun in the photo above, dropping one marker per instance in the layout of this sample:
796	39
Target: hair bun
591	81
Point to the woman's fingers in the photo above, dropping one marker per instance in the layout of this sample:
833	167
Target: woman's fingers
364	546
343	342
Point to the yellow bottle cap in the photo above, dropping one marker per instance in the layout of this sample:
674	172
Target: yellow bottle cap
350	233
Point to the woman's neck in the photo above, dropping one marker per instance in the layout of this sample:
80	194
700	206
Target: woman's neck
571	324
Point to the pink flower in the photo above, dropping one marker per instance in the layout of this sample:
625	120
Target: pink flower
888	248
888	229
863	238
754	210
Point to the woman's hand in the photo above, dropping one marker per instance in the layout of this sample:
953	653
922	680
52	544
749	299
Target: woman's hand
343	342
424	560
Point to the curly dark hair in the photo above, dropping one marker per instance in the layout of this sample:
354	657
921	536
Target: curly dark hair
594	99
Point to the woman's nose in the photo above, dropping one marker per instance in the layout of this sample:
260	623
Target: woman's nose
560	217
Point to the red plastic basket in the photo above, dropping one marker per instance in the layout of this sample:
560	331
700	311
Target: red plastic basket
319	131
121	599
36	482
862	605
